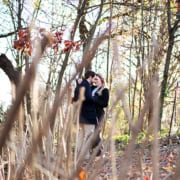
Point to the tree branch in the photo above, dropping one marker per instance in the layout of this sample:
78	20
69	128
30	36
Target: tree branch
8	68
8	34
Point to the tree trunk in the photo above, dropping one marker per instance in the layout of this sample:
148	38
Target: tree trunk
166	68
8	68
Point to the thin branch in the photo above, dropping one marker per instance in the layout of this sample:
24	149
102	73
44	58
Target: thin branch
8	34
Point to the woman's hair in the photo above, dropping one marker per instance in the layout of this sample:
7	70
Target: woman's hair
101	78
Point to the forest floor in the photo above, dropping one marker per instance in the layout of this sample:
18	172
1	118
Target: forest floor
141	165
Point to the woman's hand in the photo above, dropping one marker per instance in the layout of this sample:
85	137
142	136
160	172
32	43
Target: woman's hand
78	81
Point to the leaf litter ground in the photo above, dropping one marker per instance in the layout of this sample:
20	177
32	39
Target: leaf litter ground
141	166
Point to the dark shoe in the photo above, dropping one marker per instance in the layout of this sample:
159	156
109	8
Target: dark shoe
100	151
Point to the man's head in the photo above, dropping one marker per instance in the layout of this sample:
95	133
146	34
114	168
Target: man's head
89	75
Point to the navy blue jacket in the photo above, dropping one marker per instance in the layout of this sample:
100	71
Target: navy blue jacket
88	108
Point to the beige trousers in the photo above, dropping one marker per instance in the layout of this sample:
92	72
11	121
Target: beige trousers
86	132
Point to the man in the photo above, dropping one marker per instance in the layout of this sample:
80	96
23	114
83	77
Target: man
87	117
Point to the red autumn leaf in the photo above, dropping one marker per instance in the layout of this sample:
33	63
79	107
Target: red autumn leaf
146	178
20	33
67	43
24	34
58	36
66	49
19	44
23	43
55	47
73	43
16	44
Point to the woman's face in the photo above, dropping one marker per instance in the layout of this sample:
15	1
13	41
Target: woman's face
97	81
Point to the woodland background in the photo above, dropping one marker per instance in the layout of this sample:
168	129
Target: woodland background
46	45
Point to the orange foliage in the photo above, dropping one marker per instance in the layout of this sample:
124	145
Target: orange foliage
82	174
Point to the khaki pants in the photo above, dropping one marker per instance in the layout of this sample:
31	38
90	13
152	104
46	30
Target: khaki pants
86	132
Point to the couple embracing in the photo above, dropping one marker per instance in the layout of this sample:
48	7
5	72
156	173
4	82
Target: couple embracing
91	113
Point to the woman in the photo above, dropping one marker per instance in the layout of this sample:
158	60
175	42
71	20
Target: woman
100	95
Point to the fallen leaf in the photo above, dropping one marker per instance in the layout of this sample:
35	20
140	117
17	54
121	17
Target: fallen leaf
167	168
146	178
82	174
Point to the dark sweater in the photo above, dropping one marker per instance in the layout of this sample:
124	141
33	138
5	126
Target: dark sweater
101	101
88	108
